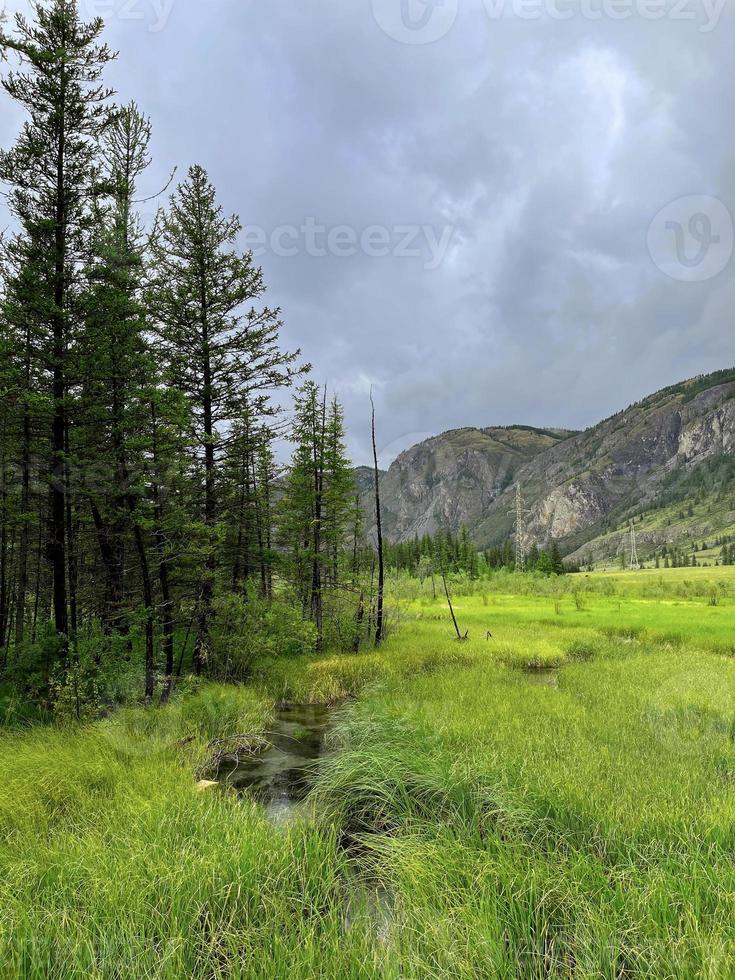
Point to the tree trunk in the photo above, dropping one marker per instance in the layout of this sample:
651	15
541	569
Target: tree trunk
71	551
318	436
3	566
25	503
451	610
57	540
108	560
207	588
150	664
379	528
37	586
163	579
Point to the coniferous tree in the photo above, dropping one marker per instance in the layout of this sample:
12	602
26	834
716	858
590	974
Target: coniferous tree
557	562
221	353
136	376
53	172
316	512
339	494
115	363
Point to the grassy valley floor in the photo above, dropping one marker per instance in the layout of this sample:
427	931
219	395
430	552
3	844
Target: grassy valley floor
553	801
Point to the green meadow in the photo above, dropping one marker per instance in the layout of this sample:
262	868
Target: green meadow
552	797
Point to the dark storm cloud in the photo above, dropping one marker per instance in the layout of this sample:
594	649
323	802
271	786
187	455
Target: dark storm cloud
508	173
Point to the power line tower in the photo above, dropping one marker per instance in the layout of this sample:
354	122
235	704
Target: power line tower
634	563
520	531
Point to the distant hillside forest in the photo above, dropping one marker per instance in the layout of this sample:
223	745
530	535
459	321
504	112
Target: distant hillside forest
446	552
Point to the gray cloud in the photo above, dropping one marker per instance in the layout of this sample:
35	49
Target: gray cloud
547	145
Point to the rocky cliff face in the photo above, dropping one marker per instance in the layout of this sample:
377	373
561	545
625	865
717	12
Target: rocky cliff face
454	479
574	484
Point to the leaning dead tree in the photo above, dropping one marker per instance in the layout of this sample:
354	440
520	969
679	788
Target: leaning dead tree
379	529
460	636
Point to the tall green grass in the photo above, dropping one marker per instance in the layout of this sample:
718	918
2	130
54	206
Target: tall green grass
574	823
579	830
115	866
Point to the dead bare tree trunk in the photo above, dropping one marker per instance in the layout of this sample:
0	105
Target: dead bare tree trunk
379	528
370	602
451	610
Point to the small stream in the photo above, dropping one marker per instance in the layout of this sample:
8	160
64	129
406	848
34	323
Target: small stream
281	776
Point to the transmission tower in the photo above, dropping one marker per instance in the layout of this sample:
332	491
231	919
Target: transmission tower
520	531
634	563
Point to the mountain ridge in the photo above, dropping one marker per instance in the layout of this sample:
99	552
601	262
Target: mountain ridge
577	485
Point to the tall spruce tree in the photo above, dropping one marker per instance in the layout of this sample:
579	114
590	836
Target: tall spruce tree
53	173
221	352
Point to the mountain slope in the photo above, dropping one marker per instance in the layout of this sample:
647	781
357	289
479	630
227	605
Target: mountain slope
692	512
578	487
452	479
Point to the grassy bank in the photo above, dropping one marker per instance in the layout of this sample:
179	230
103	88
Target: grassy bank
565	823
114	865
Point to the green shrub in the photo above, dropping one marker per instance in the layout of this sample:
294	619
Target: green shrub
247	627
30	667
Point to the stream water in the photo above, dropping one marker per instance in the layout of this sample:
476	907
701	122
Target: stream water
280	776
543	676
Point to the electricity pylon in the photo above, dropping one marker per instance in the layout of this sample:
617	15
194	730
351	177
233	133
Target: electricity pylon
634	563
520	514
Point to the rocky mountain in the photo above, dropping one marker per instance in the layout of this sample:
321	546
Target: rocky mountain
454	478
579	488
365	479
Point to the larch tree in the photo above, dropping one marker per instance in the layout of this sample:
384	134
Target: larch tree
116	370
316	515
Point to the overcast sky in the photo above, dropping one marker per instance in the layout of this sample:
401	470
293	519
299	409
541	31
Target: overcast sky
493	211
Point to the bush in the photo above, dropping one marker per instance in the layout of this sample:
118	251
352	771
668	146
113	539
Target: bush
248	627
30	667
